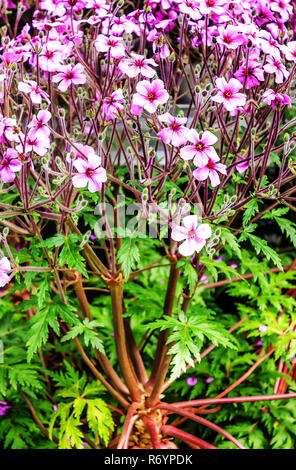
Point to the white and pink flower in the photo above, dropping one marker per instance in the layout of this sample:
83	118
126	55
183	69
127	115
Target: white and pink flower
9	166
36	94
202	148
110	44
275	66
194	236
90	173
138	65
276	99
228	93
69	75
113	104
35	143
5	268
38	124
150	95
175	133
210	170
51	57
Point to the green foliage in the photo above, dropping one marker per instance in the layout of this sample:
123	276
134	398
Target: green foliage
187	335
79	399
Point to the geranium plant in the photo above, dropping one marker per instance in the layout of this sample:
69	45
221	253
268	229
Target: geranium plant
148	224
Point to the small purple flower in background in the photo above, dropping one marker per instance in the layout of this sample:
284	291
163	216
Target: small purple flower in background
4	269
208	380
259	342
112	335
263	328
4	407
191	381
233	266
54	407
195	236
93	237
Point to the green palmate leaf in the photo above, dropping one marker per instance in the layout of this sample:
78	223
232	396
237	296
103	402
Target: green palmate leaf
286	226
53	242
38	332
100	419
86	328
260	245
250	210
70	254
215	267
128	256
189	273
228	238
187	335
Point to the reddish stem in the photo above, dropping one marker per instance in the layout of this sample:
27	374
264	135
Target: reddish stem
216	401
186	437
200	420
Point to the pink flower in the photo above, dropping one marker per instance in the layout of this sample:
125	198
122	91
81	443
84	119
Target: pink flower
195	236
190	7
202	148
9	130
9	165
113	104
276	99
275	65
70	75
242	167
175	133
254	74
290	51
138	65
150	95
51	56
35	143
228	94
263	328
90	173
4	407
210	170
111	44
191	381
207	7
4	269
38	124
81	151
229	37
283	7
36	94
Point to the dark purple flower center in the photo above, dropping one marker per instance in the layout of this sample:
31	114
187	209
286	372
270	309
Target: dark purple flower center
211	164
69	75
200	146
89	172
139	63
151	96
227	94
175	126
49	54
